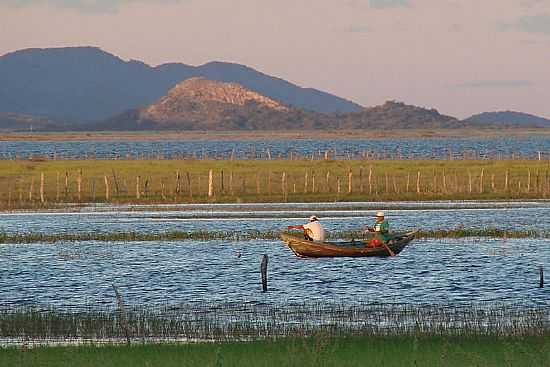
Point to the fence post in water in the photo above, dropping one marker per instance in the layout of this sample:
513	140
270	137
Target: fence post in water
263	269
418	182
222	187
338	188
350	181
42	187
541	280
528	181
210	184
306	181
122	314
284	188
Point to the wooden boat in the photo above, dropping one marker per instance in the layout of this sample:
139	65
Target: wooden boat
356	248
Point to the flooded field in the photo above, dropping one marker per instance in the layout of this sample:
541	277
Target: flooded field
442	271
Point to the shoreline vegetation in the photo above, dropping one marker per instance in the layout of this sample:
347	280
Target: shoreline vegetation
466	133
199	235
254	334
46	184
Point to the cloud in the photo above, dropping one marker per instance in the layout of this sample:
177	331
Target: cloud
387	4
530	24
84	6
495	84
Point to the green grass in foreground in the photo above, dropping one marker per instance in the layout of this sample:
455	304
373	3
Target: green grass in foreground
314	351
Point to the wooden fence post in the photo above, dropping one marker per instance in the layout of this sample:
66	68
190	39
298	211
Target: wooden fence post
284	187
306	179
31	189
263	270
66	184
313	182
210	184
222	187
189	186
138	188
506	181
350	181
469	182
528	181
418	182
57	188
481	181
370	179
79	185
361	188
338	188
42	187
107	192
231	191
408	181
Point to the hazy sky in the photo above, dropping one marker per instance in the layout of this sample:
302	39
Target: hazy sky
459	56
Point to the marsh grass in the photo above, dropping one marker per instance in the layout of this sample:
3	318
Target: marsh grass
245	321
186	181
203	235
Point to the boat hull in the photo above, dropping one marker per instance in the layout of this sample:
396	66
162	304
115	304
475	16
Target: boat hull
304	248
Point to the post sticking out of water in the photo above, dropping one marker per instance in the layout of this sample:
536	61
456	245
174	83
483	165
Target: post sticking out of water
541	280
263	269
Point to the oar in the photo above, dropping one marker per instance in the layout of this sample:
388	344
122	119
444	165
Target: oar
389	249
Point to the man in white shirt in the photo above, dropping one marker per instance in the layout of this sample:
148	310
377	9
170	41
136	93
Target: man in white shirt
313	231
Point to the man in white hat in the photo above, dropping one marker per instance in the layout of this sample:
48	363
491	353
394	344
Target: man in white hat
381	227
313	231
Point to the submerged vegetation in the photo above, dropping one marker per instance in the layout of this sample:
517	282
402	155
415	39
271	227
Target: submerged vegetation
203	235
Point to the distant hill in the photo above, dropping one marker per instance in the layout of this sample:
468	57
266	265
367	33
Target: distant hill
89	84
201	104
507	118
399	115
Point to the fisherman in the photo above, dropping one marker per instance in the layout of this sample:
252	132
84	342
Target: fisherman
381	229
313	231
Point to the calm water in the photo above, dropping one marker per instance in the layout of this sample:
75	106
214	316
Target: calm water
158	273
246	149
428	271
273	217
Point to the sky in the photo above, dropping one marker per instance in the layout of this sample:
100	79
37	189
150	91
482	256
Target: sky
459	56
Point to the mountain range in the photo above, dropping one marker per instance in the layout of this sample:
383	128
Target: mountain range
88	88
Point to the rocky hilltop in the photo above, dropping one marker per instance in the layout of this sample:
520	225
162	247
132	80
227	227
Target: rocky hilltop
201	104
198	99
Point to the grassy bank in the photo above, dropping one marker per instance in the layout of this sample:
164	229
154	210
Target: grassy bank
35	184
314	351
201	235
